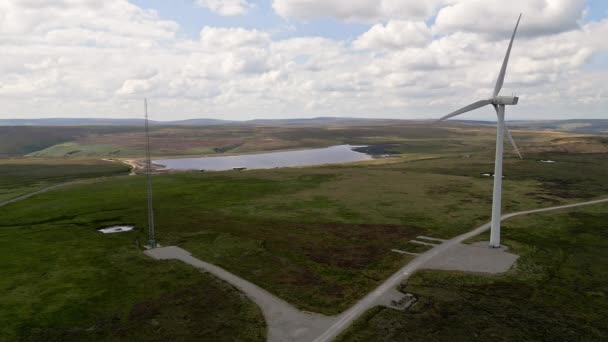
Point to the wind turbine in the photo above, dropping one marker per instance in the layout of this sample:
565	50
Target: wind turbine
499	103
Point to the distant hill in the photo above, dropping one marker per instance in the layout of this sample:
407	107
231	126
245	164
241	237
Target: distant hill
319	121
106	122
195	122
585	126
189	122
21	140
71	122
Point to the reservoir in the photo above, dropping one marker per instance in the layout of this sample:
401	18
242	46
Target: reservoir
317	156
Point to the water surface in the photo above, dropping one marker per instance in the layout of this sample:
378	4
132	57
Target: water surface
317	156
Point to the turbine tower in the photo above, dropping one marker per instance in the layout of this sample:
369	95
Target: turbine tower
151	232
499	103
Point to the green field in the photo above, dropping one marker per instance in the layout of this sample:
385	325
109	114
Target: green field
19	176
557	291
329	228
186	140
319	237
22	140
406	137
70	283
74	149
63	284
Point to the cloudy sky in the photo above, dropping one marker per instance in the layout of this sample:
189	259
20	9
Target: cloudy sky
244	59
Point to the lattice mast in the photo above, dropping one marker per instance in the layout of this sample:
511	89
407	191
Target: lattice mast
151	232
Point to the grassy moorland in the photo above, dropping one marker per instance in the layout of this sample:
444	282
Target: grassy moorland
557	291
409	136
234	139
19	176
21	140
319	237
63	282
401	137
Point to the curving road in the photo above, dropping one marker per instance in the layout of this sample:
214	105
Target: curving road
284	322
347	317
56	186
37	192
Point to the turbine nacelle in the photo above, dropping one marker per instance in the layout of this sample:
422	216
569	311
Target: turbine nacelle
498	102
505	100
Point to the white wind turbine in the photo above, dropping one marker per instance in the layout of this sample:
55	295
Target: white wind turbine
499	103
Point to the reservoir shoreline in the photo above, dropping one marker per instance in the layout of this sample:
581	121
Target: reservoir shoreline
267	160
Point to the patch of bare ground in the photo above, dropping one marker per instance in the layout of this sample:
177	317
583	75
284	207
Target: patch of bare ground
573	144
356	255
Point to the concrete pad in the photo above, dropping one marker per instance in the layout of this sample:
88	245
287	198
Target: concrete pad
477	257
396	300
422	237
424	243
404	252
389	297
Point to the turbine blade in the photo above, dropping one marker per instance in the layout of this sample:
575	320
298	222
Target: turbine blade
512	141
468	108
509	136
503	69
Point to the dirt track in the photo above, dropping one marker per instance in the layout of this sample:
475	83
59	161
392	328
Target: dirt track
284	321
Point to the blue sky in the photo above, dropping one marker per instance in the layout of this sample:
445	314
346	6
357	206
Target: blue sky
193	18
598	9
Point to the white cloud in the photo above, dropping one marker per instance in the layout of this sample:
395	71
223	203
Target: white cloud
133	86
356	10
92	58
490	17
228	38
82	18
226	7
496	18
394	35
